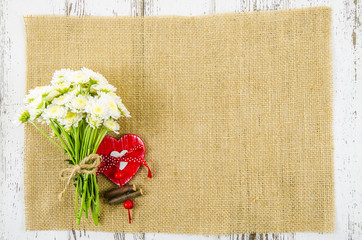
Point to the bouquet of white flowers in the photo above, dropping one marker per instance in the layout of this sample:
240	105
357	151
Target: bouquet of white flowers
80	107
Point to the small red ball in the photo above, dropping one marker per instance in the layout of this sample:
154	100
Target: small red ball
128	204
118	175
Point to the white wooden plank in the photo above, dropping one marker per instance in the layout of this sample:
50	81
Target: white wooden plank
355	207
99	8
13	85
177	7
347	121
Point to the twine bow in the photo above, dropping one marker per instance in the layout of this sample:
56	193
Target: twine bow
82	167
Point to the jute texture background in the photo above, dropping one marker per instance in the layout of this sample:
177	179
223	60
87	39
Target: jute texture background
235	111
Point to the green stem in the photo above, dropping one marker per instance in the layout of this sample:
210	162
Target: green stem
97	196
76	196
62	141
102	134
79	142
95	201
85	141
65	136
92	140
46	135
83	197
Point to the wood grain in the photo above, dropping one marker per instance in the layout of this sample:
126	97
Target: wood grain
347	51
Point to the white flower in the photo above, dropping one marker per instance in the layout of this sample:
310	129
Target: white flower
103	88
62	87
123	109
93	122
36	107
114	95
51	95
111	103
35	113
41	120
95	76
37	92
75	90
22	116
71	119
63	99
78	77
73	96
78	103
54	111
97	109
37	102
111	125
61	76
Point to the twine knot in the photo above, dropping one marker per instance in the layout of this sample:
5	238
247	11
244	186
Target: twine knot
82	167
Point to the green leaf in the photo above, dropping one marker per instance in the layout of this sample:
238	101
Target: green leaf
69	161
80	186
95	217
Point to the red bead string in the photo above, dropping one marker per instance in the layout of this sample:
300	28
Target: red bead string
128	205
129	217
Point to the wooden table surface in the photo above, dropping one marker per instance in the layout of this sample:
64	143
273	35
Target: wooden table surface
347	51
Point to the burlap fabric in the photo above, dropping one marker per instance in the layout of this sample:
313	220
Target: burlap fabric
235	111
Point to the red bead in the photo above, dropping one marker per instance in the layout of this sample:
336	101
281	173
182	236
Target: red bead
128	204
118	175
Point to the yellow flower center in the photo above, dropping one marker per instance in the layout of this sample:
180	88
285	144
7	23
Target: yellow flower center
53	110
98	109
81	102
111	124
80	76
70	116
112	105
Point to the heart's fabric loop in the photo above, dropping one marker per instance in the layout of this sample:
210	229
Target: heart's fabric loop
114	160
127	157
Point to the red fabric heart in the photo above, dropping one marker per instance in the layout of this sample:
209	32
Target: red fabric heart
134	157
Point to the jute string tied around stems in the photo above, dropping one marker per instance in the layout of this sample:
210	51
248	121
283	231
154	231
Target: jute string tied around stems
82	167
